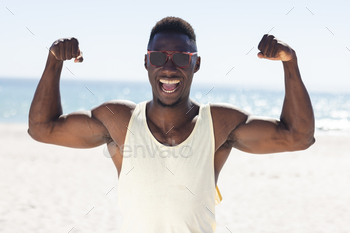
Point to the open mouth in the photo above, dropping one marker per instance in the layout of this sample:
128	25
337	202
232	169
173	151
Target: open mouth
169	86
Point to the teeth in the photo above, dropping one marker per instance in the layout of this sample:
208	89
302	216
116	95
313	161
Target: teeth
166	81
169	91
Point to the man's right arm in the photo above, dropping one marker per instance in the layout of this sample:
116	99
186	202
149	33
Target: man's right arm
46	122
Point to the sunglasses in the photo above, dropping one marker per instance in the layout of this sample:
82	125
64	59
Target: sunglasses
179	59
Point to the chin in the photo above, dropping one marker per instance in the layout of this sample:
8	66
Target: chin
167	105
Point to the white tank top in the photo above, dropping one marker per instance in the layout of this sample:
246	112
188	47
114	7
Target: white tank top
167	189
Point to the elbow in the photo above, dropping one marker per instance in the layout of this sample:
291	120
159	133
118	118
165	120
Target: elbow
306	143
38	132
33	134
307	138
302	142
301	137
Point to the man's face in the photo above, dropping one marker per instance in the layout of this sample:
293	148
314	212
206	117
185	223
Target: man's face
171	84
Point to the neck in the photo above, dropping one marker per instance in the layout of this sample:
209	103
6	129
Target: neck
166	117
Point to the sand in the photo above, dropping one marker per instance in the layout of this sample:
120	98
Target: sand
46	188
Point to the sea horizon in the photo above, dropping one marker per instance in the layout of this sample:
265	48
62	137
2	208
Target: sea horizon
332	110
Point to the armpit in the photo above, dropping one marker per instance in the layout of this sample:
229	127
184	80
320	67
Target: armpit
228	144
112	148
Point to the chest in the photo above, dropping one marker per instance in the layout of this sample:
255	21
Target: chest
172	135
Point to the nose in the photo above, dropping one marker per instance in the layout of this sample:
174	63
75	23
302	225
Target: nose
169	66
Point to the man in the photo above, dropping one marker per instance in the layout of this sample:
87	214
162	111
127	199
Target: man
169	151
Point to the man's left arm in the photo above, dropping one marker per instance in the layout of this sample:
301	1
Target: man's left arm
295	129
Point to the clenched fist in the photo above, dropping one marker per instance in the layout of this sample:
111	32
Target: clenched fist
273	49
66	49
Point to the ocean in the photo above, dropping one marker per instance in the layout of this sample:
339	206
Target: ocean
332	110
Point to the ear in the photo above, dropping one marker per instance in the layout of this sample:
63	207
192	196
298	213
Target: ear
146	62
198	65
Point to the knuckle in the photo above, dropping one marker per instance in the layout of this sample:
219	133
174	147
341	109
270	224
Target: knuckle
58	42
61	40
74	40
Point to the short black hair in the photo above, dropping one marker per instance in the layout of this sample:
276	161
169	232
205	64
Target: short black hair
173	24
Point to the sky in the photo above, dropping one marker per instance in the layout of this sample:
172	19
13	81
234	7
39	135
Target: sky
113	36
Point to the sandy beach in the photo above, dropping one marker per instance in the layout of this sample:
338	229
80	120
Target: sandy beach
46	188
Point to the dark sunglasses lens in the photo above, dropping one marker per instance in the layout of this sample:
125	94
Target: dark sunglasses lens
181	59
157	58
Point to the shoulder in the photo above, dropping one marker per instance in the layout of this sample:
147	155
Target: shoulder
227	113
115	116
115	107
114	112
226	118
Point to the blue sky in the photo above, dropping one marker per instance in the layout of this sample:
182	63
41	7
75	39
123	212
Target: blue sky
113	36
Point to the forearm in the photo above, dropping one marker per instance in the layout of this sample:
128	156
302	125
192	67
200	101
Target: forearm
46	105
297	113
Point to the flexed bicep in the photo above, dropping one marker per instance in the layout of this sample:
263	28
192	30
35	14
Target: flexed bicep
262	135
295	128
77	130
